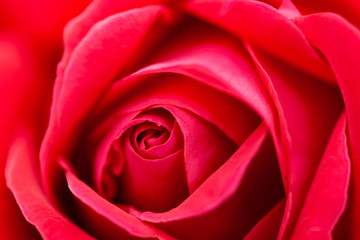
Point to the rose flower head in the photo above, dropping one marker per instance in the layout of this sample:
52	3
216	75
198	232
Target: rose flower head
199	119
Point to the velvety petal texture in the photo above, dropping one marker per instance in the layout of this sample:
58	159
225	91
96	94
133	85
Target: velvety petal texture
199	119
72	81
327	197
264	26
31	198
346	67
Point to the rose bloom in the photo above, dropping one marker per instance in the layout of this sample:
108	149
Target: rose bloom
199	119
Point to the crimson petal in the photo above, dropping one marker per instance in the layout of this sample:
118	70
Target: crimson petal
25	185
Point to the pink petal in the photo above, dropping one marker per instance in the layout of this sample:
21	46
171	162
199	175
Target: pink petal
25	184
210	105
311	108
95	61
232	200
106	220
264	26
288	9
233	74
206	148
340	43
97	11
349	9
147	88
327	197
154	185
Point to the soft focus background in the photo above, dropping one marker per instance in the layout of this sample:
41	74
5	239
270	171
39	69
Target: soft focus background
30	48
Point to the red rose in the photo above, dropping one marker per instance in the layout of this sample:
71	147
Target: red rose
197	120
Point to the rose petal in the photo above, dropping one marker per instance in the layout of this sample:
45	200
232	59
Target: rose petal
340	43
210	104
97	11
231	200
349	9
213	192
233	74
205	147
327	197
311	108
104	50
144	89
264	26
25	185
154	185
288	9
105	219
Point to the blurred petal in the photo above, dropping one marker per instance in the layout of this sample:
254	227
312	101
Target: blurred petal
16	77
42	20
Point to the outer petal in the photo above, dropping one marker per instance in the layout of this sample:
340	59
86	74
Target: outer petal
23	179
349	9
16	78
311	108
105	50
105	219
327	197
97	11
264	26
340	43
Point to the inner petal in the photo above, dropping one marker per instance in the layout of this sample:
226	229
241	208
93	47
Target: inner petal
151	153
147	135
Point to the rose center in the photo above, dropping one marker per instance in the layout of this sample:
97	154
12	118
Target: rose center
150	151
